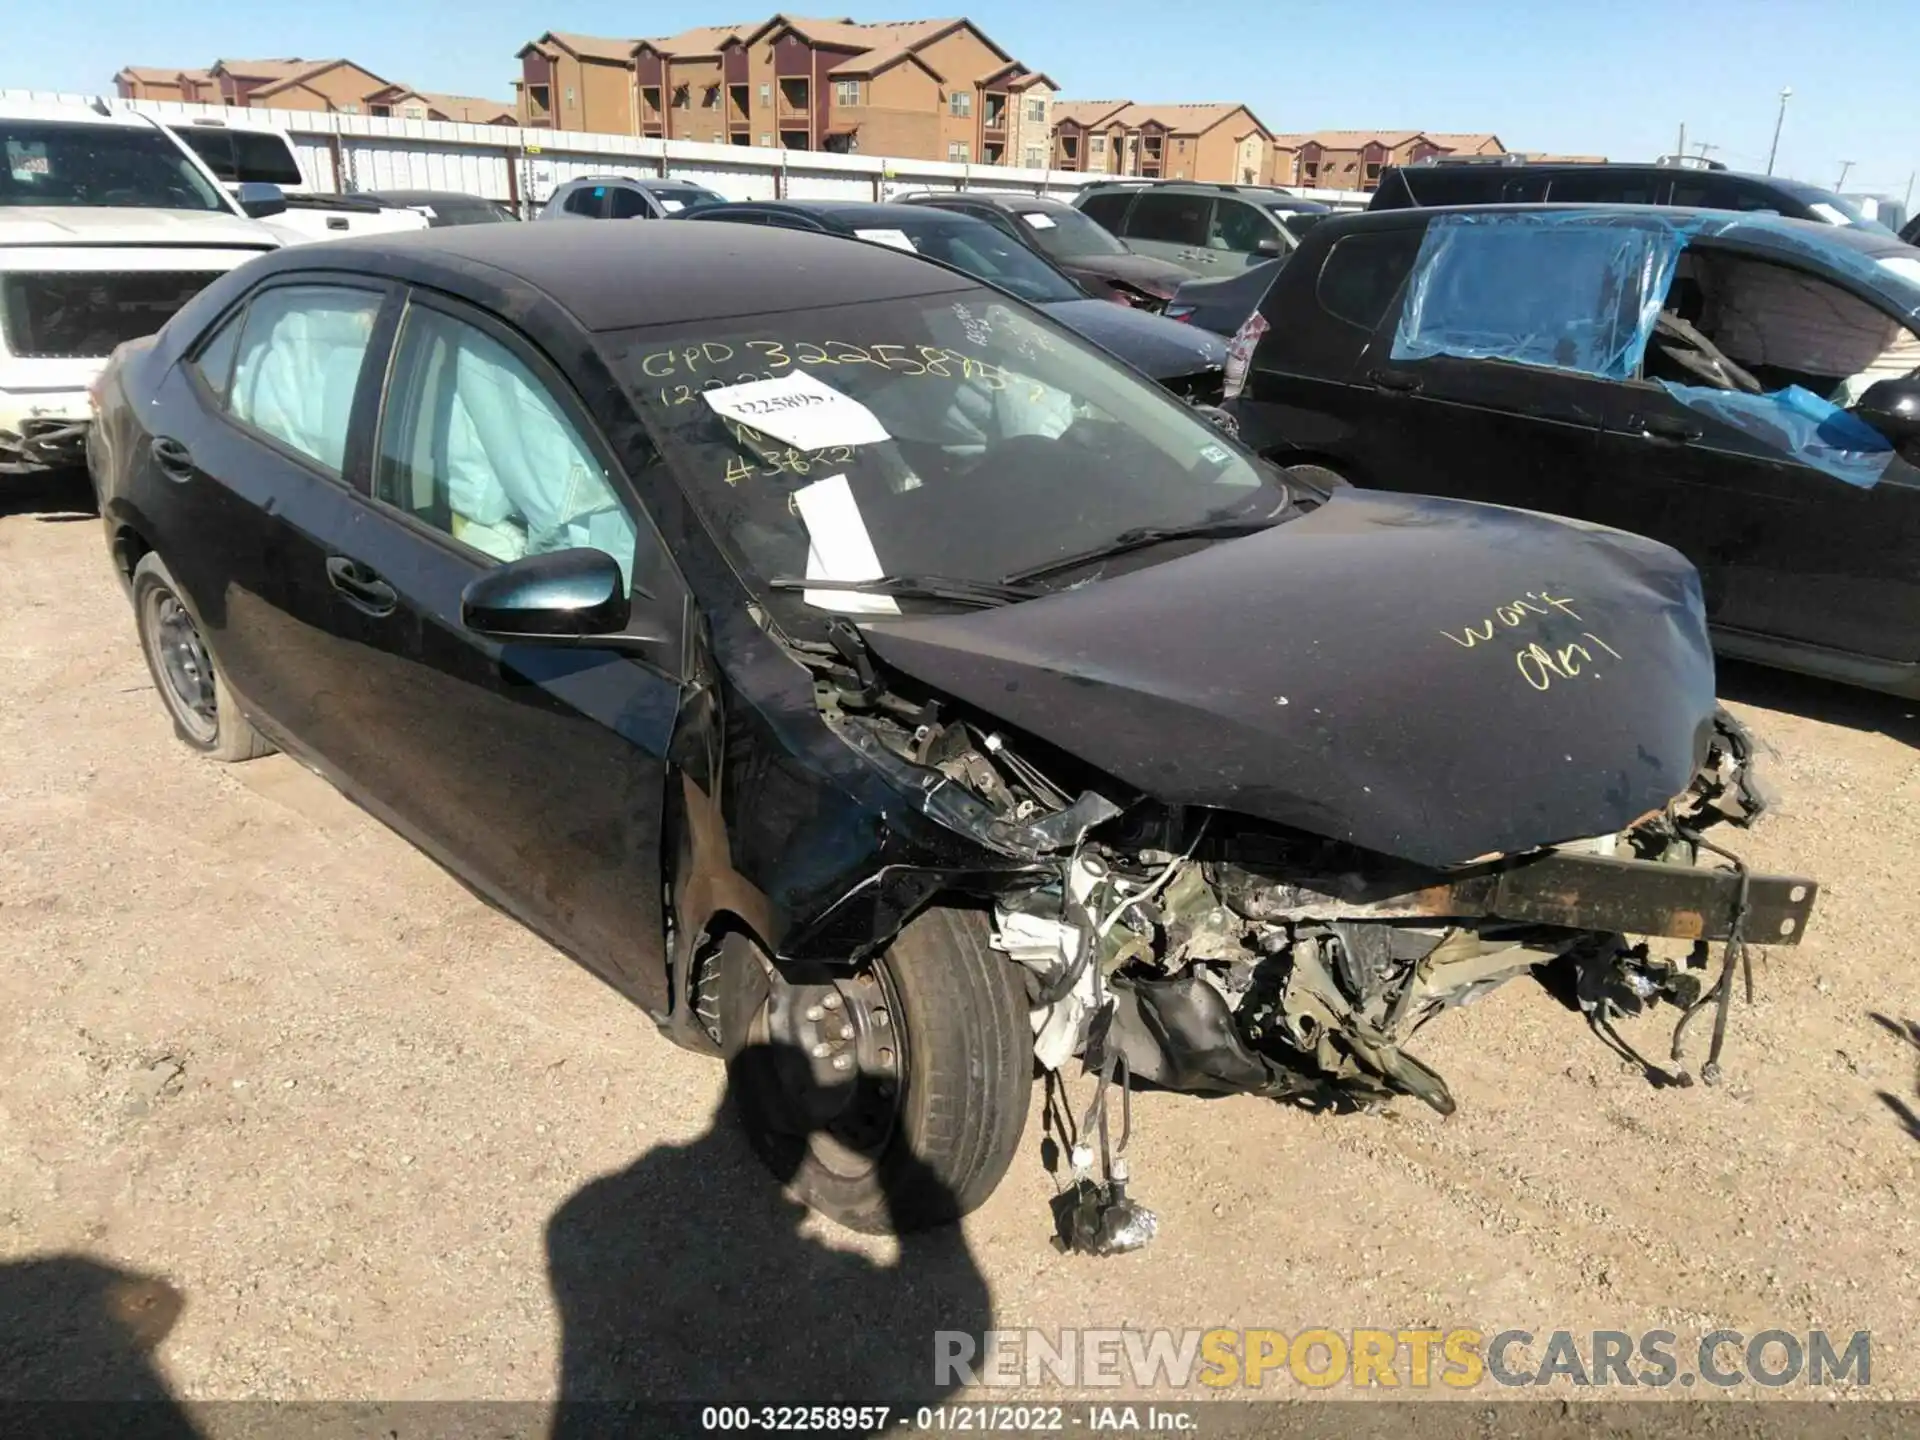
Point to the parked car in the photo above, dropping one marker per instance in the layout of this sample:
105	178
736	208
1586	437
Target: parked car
1910	232
855	667
108	224
1742	388
1223	305
444	207
246	152
1209	230
627	197
1188	363
1089	256
1505	180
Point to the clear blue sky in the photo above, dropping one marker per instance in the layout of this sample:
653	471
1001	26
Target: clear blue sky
1614	78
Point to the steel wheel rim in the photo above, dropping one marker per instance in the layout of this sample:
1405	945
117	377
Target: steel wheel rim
866	1096
186	669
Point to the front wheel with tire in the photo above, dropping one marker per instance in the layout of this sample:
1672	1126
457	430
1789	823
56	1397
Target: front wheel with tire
196	695
890	1098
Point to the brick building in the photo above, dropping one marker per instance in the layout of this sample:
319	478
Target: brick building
1222	142
339	86
1353	159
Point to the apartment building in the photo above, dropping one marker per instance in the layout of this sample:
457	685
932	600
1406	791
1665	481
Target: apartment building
1353	159
922	89
1220	142
339	86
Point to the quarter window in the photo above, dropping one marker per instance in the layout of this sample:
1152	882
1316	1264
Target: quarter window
475	444
214	363
1362	274
300	352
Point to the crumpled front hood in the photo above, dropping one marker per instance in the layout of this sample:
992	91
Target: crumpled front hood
1424	678
1156	277
1162	348
63	225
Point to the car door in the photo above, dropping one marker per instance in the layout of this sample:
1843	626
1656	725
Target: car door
1172	225
1485	370
535	771
625	202
246	480
1787	548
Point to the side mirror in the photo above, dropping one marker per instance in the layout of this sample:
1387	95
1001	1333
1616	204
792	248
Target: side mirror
1893	408
1269	247
259	199
568	594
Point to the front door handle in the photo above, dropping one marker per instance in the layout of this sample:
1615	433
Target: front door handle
1395	380
361	587
1669	428
172	458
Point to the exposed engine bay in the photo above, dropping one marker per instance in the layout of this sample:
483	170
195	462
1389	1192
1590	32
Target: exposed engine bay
1213	953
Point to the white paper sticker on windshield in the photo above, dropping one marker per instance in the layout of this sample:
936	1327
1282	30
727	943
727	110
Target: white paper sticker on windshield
1039	221
798	410
896	238
839	548
673	207
1832	214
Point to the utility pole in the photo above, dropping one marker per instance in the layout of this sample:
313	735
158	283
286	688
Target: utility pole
1908	202
1786	94
1681	148
1841	183
1703	146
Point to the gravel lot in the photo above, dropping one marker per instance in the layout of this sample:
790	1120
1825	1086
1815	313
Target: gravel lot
370	1138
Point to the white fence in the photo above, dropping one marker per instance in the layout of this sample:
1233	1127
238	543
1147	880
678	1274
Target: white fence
345	153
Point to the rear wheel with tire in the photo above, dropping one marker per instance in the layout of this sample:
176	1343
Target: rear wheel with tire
196	695
891	1098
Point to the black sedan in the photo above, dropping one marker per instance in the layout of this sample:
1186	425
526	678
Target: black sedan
1088	254
1191	364
885	688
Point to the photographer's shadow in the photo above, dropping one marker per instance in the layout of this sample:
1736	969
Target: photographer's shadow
685	1277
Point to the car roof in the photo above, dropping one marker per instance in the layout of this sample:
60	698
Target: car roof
77	114
443	196
619	277
872	213
999	199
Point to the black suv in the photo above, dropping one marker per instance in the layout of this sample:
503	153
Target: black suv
1500	180
1742	387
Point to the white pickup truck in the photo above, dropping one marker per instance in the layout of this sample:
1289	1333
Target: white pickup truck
240	153
108	225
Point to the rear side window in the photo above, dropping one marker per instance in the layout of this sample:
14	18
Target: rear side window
1169	218
1457	185
1711	192
242	156
1604	187
300	352
627	204
1362	274
585	201
1108	210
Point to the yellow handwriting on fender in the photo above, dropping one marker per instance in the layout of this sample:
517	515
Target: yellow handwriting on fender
1534	602
1541	666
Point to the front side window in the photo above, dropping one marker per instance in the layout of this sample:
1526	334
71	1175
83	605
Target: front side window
1170	218
474	444
298	366
626	203
1238	227
238	156
586	200
77	165
980	441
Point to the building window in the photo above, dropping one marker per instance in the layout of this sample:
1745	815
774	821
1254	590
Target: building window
1098	145
710	98
682	97
1310	169
351	107
1181	146
570	97
1373	170
765	138
1037	111
766	96
959	152
846	92
960	102
380	110
538	98
1033	157
414	112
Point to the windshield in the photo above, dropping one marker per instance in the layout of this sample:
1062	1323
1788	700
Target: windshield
52	162
1834	209
956	435
1066	234
975	247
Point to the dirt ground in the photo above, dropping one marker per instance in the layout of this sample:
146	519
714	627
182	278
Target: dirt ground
365	1137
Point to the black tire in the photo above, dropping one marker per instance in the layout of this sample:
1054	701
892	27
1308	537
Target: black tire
196	695
964	1082
1319	477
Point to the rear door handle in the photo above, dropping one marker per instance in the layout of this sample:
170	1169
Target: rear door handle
1395	380
1670	429
174	460
361	587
